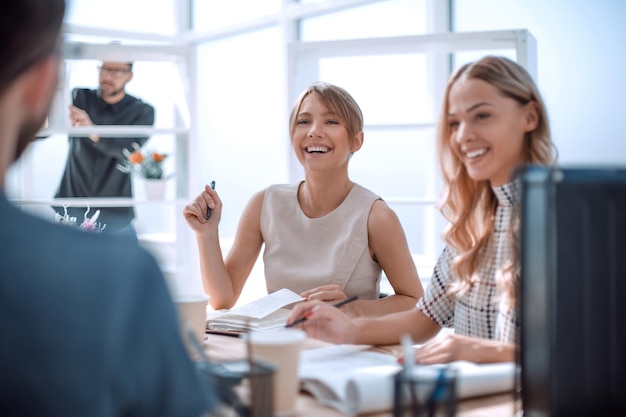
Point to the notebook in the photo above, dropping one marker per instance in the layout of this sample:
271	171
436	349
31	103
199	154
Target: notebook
266	313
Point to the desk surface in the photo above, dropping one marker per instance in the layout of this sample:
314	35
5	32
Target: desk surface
220	348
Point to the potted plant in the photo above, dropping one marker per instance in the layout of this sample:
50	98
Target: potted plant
148	164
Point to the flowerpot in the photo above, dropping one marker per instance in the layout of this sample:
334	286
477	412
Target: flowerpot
155	189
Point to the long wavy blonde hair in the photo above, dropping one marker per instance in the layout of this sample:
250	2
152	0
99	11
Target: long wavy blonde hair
470	205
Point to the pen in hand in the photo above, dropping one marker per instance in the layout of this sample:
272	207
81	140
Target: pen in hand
308	313
208	209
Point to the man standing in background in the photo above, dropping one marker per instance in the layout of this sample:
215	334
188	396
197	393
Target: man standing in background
91	167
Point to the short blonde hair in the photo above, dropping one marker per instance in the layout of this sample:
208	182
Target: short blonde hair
338	100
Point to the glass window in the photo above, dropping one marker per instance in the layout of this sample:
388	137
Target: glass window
415	221
213	14
383	19
460	58
390	88
397	163
400	165
142	16
242	133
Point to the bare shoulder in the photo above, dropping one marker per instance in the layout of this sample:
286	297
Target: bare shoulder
257	198
382	215
256	201
251	216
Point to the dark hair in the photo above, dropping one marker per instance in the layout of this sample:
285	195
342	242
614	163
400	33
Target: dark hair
29	31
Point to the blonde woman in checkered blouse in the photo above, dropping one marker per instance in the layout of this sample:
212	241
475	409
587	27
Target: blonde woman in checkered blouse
493	120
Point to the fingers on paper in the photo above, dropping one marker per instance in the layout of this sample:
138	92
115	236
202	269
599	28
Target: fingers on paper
438	350
330	293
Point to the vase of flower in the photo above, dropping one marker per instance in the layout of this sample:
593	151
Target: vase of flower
155	189
148	165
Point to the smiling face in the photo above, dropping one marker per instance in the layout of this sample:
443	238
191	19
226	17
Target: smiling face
487	129
320	138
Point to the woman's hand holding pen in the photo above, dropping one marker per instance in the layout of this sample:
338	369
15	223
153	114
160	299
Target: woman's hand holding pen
323	321
195	212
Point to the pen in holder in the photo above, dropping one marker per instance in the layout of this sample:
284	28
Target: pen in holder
244	386
425	392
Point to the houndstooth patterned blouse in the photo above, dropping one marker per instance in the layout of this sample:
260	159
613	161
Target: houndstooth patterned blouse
477	313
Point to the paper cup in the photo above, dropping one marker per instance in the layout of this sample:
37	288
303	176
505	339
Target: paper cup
281	349
192	314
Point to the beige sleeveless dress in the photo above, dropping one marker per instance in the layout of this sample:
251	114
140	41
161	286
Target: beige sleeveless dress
302	253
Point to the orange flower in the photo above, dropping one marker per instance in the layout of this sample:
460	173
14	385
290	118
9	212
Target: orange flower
135	157
158	157
146	163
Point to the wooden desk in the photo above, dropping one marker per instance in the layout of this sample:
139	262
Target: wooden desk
222	348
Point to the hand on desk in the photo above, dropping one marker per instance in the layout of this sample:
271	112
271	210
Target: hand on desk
449	347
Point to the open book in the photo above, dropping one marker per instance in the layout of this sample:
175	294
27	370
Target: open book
263	314
356	381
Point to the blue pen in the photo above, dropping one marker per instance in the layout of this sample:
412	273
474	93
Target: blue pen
438	392
208	209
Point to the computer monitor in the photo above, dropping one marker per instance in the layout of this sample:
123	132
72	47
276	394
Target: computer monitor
572	291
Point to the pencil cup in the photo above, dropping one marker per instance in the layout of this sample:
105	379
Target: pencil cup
281	349
243	389
192	315
425	392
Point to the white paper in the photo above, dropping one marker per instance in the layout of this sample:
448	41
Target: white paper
339	358
355	381
236	323
263	306
327	372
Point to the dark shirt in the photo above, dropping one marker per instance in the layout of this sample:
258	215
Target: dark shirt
88	327
91	168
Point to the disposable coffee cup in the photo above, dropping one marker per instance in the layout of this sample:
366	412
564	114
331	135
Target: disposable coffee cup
192	316
280	348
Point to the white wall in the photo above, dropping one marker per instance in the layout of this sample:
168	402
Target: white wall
581	55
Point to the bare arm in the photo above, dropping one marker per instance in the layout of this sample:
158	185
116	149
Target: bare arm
452	347
224	281
333	325
390	249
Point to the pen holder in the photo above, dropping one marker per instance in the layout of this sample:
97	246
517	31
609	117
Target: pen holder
244	388
425	392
